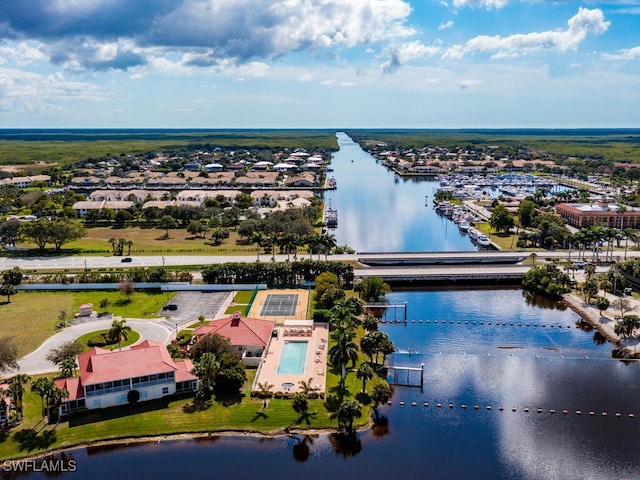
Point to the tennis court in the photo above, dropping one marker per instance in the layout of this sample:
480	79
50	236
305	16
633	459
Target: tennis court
280	305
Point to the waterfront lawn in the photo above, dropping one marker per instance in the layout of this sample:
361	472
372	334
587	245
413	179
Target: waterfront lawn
155	418
31	317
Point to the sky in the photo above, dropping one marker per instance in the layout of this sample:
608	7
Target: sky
319	64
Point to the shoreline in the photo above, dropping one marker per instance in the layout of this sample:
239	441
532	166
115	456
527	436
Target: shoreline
173	437
602	323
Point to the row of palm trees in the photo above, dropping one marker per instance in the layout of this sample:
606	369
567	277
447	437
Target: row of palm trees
50	395
289	242
594	236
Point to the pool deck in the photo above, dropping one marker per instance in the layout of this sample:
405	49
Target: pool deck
315	365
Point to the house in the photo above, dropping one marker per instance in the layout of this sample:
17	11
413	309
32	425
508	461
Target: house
249	337
106	377
86	309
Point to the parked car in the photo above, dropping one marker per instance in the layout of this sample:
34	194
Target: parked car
171	306
579	264
126	260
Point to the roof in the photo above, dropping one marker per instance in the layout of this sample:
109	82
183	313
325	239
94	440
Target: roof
240	330
71	385
99	365
184	369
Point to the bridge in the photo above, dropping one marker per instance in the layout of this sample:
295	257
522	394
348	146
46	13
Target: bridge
479	273
435	258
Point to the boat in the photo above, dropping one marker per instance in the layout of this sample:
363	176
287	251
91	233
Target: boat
464	226
483	240
473	233
331	218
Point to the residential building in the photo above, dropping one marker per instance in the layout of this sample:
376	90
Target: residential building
106	377
249	337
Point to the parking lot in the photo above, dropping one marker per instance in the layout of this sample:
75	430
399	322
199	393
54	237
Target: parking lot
193	304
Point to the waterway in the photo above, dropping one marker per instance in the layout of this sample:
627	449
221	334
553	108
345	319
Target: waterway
380	211
480	352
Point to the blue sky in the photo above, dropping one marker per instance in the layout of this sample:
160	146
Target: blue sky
319	64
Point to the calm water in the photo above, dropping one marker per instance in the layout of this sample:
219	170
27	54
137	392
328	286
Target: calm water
558	366
379	211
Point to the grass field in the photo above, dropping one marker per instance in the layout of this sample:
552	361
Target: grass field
151	241
31	317
132	337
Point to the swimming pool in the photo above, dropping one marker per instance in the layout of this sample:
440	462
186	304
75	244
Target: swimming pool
294	357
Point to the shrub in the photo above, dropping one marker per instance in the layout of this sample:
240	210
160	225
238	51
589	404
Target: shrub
321	315
184	337
98	341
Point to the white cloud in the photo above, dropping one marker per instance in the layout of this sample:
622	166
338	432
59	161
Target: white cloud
579	26
406	52
488	4
626	54
305	77
120	34
33	93
444	26
336	83
22	54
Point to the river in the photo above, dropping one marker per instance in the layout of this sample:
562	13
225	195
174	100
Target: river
491	348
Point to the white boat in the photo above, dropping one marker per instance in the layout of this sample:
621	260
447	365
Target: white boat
473	233
463	226
483	240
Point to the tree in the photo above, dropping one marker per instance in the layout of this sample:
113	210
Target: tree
370	323
212	343
622	304
364	373
43	386
501	220
602	303
206	370
65	350
119	331
8	354
265	390
381	393
104	304
342	352
126	288
167	222
328	241
13	276
9	232
68	367
347	413
526	212
231	374
8	290
258	239
300	404
590	289
16	390
372	289
307	388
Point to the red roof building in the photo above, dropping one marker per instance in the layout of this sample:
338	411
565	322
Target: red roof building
249	337
107	377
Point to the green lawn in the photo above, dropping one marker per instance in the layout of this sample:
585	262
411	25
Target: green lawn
31	317
160	417
132	337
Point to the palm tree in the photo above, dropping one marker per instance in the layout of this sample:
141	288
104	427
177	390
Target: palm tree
364	373
381	393
307	388
628	234
349	410
264	389
68	367
314	240
16	390
328	242
342	352
118	331
206	370
43	386
300	404
257	238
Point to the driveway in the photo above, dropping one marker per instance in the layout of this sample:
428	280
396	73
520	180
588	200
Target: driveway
36	362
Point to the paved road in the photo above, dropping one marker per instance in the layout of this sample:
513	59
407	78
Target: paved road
36	362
